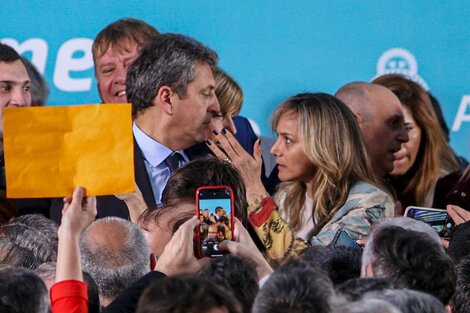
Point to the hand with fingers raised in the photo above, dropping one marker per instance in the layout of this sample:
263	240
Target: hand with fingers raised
226	147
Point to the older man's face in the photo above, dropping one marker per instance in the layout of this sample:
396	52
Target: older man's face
14	87
111	70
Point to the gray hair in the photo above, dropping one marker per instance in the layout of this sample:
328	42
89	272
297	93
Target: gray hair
166	60
297	286
34	232
404	222
368	306
409	301
115	253
22	291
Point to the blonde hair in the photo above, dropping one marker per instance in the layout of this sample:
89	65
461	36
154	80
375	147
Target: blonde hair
332	141
434	155
228	92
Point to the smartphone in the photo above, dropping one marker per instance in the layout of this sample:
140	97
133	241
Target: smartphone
437	218
214	208
342	238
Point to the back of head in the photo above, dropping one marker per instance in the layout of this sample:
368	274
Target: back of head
460	301
165	60
115	253
403	222
295	287
205	171
409	301
35	233
340	262
14	255
411	259
39	87
368	306
132	29
22	291
459	244
8	54
186	294
234	274
355	288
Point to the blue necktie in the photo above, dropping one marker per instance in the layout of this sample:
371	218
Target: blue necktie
173	161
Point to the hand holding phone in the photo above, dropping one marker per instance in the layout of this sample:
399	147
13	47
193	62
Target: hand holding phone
436	218
214	209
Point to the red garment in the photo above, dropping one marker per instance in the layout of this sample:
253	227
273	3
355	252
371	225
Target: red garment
69	296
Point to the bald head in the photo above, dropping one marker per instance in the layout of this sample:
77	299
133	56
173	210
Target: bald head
115	253
380	117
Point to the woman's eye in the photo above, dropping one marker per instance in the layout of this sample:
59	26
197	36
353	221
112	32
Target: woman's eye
288	141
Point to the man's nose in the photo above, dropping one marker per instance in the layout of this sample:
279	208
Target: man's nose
19	97
403	135
215	106
120	75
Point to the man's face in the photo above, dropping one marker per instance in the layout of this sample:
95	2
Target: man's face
383	130
14	87
193	112
111	69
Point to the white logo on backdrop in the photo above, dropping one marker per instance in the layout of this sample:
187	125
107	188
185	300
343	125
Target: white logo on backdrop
400	61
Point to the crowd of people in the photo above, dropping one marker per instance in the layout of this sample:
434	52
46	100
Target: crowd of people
345	164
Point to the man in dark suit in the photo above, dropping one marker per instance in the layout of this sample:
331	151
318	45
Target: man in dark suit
171	88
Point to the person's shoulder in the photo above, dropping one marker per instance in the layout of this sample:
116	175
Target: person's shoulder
370	195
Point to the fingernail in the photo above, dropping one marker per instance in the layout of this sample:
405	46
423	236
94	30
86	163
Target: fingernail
209	142
215	132
224	131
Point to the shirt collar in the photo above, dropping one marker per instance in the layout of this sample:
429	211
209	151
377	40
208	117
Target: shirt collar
154	152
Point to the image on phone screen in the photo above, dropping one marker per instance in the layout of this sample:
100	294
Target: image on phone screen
215	211
437	219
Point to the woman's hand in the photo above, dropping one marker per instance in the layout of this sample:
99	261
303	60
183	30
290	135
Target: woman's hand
224	145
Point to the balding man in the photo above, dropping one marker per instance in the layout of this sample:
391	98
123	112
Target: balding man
380	117
116	254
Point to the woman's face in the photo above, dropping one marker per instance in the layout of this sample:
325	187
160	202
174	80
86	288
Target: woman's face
406	156
224	120
292	161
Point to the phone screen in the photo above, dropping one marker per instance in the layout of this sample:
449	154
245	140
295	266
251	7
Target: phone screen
215	211
438	219
343	239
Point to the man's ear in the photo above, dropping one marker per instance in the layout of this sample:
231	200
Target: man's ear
449	308
153	261
164	99
369	271
359	118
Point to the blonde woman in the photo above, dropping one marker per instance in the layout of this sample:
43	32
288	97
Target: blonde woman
327	179
426	156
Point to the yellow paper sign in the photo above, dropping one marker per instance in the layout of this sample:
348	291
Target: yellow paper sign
51	150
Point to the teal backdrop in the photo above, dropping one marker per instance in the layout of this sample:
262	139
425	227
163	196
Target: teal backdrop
274	49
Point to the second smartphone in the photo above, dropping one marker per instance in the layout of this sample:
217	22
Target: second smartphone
214	208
